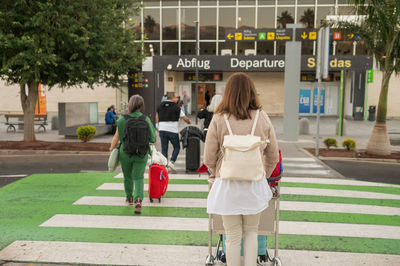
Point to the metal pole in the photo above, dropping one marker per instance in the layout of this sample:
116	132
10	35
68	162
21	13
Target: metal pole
197	71
318	116
341	104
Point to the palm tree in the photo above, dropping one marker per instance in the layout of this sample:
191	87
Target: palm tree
285	18
308	18
380	31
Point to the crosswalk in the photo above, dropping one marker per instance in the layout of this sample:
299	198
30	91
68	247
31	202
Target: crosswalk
321	214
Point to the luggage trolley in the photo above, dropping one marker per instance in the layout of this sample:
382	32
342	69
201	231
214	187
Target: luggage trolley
269	226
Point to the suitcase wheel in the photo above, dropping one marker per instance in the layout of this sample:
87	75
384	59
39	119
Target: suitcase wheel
159	200
151	200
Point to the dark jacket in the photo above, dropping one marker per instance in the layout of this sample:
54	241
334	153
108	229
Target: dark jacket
191	132
206	115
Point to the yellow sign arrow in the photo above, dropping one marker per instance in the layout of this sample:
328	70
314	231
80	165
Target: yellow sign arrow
230	36
304	35
350	35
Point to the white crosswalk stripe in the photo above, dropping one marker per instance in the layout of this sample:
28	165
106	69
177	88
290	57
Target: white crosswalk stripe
167	255
285	205
201	224
284	190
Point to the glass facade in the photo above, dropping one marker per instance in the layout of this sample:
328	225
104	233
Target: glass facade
169	25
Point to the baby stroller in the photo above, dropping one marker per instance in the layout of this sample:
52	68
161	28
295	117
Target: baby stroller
269	224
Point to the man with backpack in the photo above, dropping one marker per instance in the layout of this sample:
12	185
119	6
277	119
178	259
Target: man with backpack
167	121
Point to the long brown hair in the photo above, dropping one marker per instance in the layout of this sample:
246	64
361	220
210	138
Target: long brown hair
240	97
136	102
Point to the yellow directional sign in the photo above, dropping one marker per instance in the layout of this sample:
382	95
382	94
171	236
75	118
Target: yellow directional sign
306	35
229	36
238	36
350	36
271	36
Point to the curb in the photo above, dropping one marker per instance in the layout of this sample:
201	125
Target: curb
336	173
362	160
50	152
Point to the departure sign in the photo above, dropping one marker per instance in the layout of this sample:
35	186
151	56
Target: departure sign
259	35
137	80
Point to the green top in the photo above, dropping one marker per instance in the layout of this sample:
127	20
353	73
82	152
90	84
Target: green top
121	127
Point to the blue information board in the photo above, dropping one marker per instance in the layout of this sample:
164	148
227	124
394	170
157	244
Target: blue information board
322	98
304	101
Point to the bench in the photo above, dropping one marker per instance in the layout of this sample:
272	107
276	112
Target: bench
40	120
394	137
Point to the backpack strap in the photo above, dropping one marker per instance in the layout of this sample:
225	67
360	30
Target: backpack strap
227	124
255	122
126	117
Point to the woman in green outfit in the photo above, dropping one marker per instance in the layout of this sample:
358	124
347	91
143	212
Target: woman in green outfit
134	166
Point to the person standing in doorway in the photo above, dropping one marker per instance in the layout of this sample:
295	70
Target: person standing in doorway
186	101
167	121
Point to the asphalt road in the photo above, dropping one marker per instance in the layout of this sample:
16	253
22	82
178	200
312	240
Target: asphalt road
368	171
11	166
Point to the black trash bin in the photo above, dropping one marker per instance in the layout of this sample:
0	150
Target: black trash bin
371	112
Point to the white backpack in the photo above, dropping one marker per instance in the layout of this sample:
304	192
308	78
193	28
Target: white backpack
242	159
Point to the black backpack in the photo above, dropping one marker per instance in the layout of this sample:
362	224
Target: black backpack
136	135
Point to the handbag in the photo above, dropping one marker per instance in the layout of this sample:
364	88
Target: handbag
242	158
113	160
157	157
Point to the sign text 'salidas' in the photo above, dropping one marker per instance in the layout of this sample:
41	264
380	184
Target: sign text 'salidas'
257	63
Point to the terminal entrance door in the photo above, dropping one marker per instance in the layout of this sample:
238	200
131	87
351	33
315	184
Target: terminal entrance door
205	93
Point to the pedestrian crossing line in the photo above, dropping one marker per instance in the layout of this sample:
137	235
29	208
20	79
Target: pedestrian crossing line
313	180
201	224
284	190
297	159
167	255
303	165
333	181
284	205
310	172
173	176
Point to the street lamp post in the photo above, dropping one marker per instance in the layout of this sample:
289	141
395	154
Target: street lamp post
197	71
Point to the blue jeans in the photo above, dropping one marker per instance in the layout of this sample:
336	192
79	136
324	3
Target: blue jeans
186	109
165	137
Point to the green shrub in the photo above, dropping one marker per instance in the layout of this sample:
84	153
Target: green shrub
86	133
349	144
330	142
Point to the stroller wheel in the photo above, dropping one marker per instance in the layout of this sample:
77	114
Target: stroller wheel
210	260
276	261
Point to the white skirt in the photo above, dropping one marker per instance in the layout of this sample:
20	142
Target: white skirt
228	197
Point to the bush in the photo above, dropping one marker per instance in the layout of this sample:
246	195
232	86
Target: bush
330	142
86	133
349	144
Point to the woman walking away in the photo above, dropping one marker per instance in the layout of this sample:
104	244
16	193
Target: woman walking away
134	132
239	158
207	113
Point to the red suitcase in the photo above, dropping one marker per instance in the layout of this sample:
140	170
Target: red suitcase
158	182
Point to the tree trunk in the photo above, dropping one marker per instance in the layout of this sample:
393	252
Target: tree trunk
28	103
378	142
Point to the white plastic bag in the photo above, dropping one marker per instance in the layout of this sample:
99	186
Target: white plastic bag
113	160
157	157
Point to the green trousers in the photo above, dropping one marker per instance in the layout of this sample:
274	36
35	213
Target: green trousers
133	168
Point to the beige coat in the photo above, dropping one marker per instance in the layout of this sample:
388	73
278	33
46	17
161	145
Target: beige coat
218	129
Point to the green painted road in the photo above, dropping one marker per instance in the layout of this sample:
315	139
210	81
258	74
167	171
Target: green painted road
28	203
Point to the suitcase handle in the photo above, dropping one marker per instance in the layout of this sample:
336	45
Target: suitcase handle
163	177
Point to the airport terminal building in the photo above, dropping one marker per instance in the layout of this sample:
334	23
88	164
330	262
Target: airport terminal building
238	35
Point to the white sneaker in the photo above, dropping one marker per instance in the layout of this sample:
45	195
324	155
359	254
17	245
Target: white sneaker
171	166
